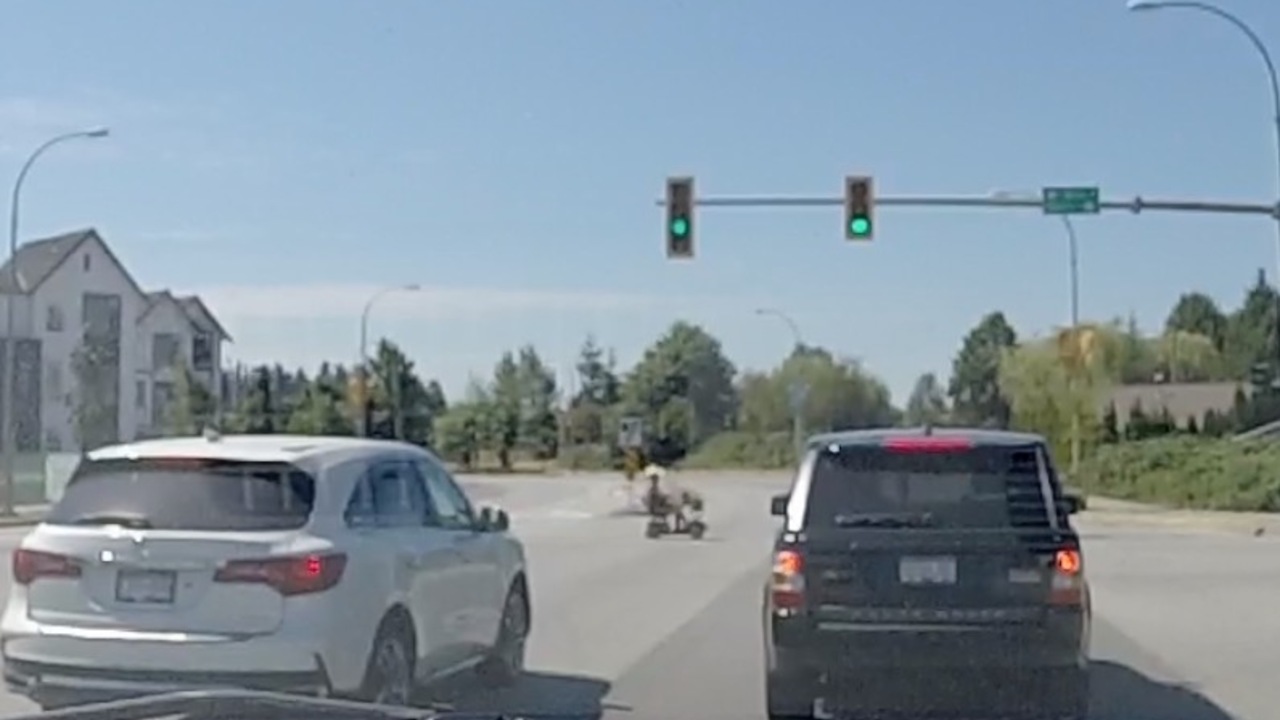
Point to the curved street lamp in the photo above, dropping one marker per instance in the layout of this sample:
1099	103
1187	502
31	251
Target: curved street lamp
10	427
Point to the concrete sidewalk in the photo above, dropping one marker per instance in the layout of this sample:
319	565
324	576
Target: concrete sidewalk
1111	511
24	515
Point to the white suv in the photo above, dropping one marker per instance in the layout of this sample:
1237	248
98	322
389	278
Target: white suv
327	566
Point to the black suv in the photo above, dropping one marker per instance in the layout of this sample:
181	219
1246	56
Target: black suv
927	570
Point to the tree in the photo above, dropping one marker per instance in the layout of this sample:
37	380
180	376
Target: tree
683	386
539	425
928	403
975	374
504	405
401	406
93	406
1196	313
1189	357
1250	335
192	406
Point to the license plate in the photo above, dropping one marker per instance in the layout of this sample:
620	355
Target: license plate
927	571
153	587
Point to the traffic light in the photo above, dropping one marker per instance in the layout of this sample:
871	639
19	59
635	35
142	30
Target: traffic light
859	201
680	217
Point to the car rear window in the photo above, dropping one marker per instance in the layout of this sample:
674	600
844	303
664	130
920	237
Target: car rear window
186	494
979	487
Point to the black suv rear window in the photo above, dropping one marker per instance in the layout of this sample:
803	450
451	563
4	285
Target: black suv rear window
186	494
980	487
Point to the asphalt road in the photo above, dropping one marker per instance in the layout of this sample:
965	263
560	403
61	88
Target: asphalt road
624	627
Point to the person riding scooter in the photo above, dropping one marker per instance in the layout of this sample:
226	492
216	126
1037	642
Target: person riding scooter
664	498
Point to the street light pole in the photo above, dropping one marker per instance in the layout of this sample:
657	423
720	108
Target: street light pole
1258	45
1073	260
798	390
8	427
361	425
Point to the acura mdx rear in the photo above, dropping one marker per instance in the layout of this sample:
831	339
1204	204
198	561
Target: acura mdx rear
926	571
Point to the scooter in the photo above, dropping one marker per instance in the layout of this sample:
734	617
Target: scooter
693	525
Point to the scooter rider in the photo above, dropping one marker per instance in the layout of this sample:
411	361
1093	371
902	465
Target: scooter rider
664	498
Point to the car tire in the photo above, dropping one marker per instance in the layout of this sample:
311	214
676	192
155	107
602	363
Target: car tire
505	662
697	529
786	700
389	676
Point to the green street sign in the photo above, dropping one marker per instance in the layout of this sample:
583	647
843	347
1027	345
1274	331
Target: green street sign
1071	200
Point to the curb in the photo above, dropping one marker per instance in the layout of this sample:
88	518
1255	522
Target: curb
21	521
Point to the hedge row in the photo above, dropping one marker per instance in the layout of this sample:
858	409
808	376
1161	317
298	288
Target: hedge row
1187	472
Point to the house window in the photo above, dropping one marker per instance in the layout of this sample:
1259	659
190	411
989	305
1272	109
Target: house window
140	394
202	352
164	351
87	261
53	319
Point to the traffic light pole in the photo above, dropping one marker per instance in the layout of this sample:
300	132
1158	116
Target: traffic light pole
1136	205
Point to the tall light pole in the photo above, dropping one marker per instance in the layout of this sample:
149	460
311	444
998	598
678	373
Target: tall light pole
1073	259
1256	42
9	452
361	425
1073	252
799	390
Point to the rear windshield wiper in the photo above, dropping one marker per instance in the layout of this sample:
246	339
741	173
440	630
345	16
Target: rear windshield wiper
231	704
884	520
134	522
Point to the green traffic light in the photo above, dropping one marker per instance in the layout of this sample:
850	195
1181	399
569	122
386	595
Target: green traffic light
680	227
860	226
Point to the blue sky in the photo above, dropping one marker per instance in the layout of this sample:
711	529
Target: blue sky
284	159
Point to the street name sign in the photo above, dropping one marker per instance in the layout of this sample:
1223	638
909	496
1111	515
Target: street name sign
1071	200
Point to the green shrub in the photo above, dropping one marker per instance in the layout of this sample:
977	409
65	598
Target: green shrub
741	450
1187	472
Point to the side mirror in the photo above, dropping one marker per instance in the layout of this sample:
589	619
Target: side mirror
494	520
1072	502
778	505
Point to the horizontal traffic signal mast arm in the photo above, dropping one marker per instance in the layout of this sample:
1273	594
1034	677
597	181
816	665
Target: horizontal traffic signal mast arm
1136	205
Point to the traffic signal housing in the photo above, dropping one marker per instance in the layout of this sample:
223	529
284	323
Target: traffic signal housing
859	202
680	218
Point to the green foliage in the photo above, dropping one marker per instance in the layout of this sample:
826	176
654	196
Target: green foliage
744	450
95	401
1188	472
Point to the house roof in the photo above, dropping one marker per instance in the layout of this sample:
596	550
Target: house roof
1183	400
190	306
38	260
195	307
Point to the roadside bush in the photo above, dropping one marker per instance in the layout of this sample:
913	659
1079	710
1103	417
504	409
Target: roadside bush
742	450
1187	472
588	457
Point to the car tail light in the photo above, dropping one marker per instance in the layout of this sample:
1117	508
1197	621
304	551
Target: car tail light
31	565
298	575
1067	585
787	584
926	444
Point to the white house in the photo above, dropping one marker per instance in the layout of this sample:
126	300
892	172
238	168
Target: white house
174	330
75	299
